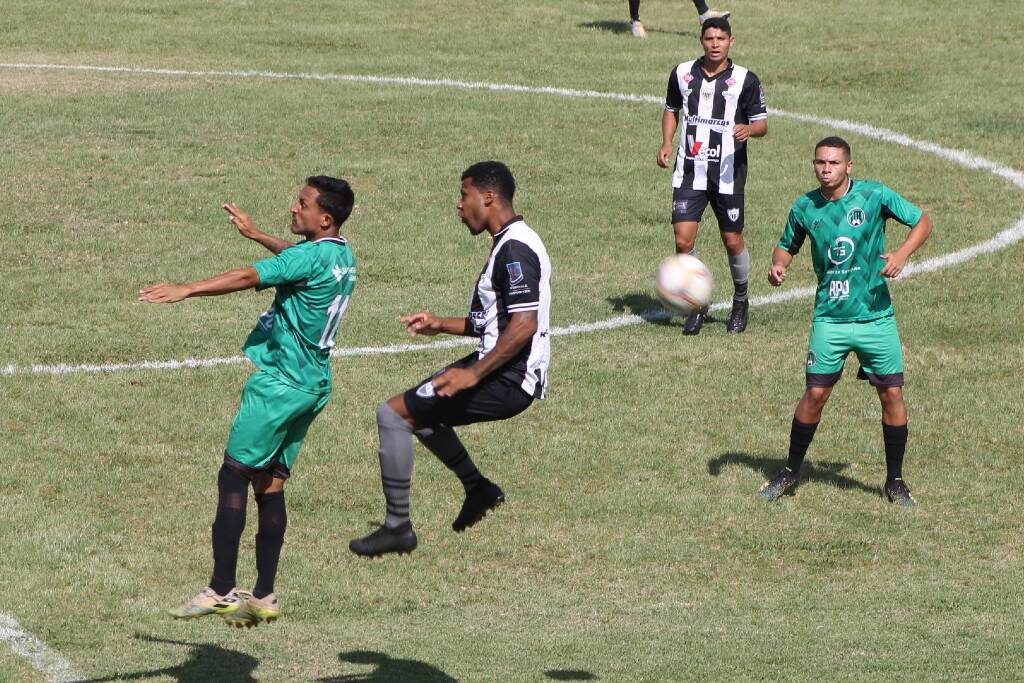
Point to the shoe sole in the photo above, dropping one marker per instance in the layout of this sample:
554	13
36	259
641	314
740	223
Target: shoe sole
374	556
483	513
251	623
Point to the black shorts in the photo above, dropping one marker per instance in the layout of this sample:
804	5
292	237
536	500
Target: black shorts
688	205
496	397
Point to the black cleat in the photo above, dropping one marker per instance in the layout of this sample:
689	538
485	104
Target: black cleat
897	491
738	317
784	480
401	540
485	496
694	321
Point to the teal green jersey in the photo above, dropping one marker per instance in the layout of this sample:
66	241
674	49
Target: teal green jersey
847	242
293	338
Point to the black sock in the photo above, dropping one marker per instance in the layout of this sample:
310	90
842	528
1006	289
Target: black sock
443	442
232	496
269	539
701	6
739	291
800	436
895	437
634	10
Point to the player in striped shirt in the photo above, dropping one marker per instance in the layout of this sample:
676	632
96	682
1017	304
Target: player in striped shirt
721	105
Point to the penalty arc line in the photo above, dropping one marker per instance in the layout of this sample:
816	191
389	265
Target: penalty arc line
1004	239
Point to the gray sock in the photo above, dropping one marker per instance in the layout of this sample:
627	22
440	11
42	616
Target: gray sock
396	457
740	267
443	442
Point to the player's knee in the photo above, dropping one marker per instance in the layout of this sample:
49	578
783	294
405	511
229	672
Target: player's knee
387	418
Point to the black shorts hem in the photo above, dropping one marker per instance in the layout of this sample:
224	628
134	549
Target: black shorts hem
881	381
816	379
274	469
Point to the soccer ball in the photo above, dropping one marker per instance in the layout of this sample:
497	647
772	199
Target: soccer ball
683	283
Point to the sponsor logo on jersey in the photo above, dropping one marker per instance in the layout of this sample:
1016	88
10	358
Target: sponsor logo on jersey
733	214
687	77
730	82
515	272
701	152
855	217
717	125
841	251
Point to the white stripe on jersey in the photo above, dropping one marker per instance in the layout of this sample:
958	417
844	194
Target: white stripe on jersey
536	370
727	172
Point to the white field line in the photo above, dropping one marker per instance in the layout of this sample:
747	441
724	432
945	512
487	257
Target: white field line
44	660
1002	240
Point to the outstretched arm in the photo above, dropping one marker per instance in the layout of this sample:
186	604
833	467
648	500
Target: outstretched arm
520	330
425	322
247	228
895	261
232	281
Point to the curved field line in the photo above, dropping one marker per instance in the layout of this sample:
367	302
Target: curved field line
1005	238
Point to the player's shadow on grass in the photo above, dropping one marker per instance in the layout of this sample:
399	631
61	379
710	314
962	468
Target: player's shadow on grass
821	472
388	669
205	663
651	310
624	27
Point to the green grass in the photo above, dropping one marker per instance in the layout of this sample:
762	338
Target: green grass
633	546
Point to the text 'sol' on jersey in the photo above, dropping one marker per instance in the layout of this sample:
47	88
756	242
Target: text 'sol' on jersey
847	242
516	278
709	158
292	340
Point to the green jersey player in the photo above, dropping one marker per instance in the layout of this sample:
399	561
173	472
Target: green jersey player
845	221
290	348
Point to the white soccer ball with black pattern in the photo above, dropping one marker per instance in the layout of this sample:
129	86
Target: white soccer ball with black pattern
684	283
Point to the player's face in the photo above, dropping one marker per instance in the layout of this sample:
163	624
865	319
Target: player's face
832	167
716	44
473	207
308	218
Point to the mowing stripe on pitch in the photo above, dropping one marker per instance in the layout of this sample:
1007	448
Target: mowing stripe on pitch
1002	240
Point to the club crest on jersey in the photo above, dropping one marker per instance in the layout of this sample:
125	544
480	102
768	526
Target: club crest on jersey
426	390
733	214
515	272
855	217
707	94
811	358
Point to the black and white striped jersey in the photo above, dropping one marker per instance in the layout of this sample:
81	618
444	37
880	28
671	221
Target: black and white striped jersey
517	278
709	158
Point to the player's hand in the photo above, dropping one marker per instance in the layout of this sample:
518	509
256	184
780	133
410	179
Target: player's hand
423	322
163	293
664	155
895	262
741	132
240	220
777	274
454	380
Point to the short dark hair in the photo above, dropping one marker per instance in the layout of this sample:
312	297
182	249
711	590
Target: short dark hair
836	142
336	196
716	22
492	175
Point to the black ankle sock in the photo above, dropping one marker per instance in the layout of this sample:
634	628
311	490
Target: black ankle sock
269	540
895	438
739	291
800	436
232	496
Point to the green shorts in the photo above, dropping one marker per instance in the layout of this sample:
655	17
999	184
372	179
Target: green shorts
876	343
270	425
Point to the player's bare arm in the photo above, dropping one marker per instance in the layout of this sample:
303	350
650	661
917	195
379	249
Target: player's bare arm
426	323
744	131
232	281
669	123
248	229
520	330
896	261
780	267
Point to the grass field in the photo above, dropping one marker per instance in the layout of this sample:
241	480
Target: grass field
633	546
